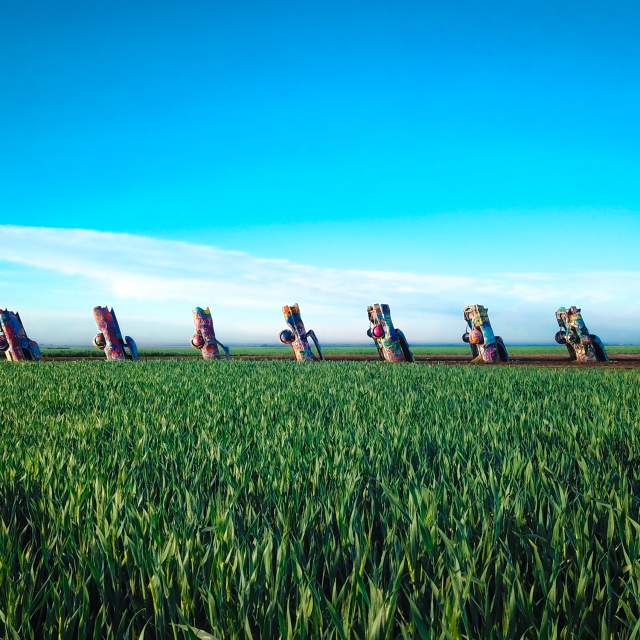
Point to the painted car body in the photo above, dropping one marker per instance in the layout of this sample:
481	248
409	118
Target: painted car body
204	337
14	341
298	337
110	339
391	342
486	347
581	345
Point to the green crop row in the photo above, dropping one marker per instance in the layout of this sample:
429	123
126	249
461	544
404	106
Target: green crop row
268	499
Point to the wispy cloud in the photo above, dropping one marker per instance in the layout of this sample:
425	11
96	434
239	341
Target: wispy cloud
155	282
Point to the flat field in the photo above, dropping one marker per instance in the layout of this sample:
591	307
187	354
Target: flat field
269	499
426	353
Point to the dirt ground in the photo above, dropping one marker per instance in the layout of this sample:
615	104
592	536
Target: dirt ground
624	361
618	361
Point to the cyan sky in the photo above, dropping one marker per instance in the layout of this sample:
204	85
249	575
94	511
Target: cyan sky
451	139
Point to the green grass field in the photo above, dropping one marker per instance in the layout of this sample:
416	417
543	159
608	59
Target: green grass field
277	350
268	499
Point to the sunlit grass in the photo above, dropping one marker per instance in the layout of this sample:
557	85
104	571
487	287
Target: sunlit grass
269	499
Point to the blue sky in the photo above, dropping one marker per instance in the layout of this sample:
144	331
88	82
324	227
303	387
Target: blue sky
468	145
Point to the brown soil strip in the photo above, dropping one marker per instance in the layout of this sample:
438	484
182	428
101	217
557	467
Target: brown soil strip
619	361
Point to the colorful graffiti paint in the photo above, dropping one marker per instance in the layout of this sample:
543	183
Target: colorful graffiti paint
485	345
391	343
581	345
14	341
109	339
204	337
298	337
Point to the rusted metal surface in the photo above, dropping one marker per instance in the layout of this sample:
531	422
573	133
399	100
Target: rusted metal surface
298	337
204	337
581	345
109	337
485	346
14	341
391	342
